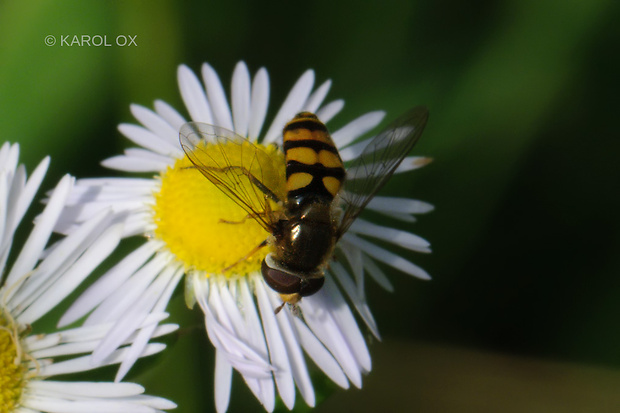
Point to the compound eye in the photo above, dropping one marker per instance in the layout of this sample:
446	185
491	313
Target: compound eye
310	286
280	281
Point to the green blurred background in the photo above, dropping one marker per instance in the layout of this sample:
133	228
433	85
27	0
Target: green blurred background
521	314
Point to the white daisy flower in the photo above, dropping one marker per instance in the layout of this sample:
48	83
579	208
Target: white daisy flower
181	214
31	287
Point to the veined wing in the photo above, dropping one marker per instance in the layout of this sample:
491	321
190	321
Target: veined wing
378	161
247	173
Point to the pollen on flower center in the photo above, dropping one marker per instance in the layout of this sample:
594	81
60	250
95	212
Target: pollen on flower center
202	226
12	368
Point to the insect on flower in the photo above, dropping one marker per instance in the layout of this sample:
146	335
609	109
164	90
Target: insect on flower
305	199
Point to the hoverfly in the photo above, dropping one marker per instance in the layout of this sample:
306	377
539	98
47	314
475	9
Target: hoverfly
306	205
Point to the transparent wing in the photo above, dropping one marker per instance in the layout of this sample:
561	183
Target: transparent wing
246	173
378	161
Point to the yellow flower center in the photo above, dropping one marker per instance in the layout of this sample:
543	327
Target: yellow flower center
12	366
202	226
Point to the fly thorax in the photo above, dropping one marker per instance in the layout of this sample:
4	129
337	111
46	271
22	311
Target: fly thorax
306	240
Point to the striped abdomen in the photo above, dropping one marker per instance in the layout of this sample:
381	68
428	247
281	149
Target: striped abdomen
314	170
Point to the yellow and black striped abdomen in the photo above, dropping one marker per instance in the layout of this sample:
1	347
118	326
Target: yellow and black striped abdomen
314	170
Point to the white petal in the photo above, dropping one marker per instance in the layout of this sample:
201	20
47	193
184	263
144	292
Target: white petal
10	156
319	354
317	97
263	389
74	275
411	163
293	104
223	381
58	258
41	341
355	150
40	234
56	343
170	115
277	348
5	210
54	405
247	360
16	196
71	215
88	389
408	164
138	223
157	125
400	217
249	330
65	349
357	128
14	184
327	112
65	346
388	257
85	363
133	164
347	325
258	103
115	306
226	309
240	97
194	96
399	205
295	356
144	154
116	184
318	312
363	170
217	98
355	258
376	274
358	301
97	392
6	239
31	188
158	403
5	150
147	139
160	294
392	235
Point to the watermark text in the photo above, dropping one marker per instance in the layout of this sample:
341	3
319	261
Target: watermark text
87	40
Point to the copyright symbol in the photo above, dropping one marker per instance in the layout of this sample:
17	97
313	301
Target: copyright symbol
50	40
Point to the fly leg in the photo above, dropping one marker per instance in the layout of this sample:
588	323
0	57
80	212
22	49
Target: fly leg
273	215
245	218
256	215
256	182
246	256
